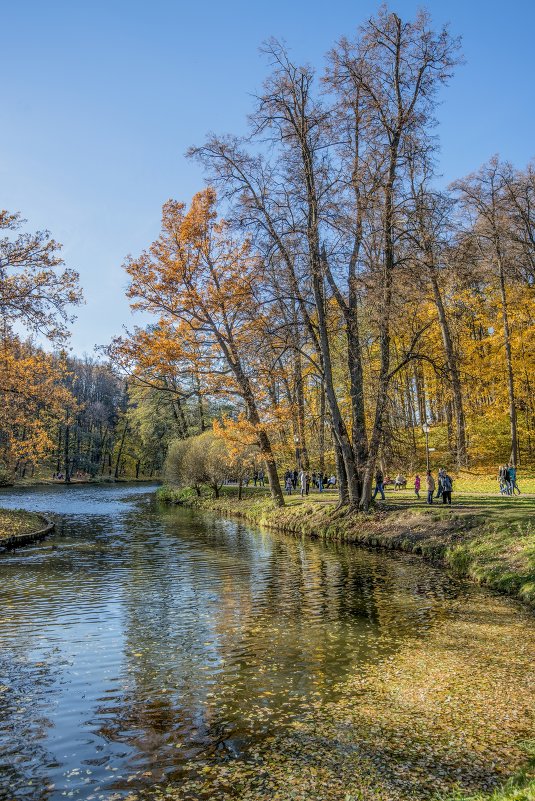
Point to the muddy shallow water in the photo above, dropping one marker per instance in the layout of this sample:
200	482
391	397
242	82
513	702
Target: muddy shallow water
146	649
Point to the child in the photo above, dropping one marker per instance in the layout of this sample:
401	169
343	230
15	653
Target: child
417	484
288	484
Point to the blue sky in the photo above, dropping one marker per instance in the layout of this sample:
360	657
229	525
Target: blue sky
101	100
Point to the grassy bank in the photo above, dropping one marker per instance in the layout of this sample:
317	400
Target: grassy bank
487	538
521	787
18	522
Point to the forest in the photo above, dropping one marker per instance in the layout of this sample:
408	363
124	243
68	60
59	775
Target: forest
321	298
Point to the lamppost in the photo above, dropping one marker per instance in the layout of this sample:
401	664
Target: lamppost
297	452
426	429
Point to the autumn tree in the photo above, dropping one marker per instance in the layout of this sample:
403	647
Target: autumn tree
36	293
485	197
200	283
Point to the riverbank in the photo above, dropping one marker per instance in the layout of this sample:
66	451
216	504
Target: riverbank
487	539
490	540
53	482
18	527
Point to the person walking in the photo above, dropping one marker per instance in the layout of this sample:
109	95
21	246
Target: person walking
441	474
512	480
447	487
417	485
303	483
379	485
295	477
430	486
307	483
288	483
320	481
507	476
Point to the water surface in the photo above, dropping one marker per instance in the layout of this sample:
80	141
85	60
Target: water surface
140	643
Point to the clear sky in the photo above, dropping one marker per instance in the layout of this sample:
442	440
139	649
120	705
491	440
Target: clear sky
100	100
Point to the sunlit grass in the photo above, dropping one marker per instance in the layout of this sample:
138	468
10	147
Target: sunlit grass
16	522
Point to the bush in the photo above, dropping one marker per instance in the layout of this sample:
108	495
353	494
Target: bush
197	461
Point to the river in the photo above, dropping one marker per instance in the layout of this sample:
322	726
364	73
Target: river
144	647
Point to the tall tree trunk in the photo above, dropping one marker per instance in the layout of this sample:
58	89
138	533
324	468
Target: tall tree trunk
343	489
300	398
509	362
200	409
58	455
178	414
321	434
66	454
264	442
384	327
453	371
120	453
271	468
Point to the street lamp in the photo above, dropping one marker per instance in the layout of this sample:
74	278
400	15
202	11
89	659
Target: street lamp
297	452
426	428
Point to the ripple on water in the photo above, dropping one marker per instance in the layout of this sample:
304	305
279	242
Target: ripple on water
142	644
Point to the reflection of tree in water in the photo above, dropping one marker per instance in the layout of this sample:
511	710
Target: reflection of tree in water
24	760
230	634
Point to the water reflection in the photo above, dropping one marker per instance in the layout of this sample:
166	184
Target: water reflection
139	638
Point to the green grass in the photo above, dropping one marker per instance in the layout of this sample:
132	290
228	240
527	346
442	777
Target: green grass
520	787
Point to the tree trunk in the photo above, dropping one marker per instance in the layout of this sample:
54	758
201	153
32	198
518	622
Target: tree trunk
509	363
264	443
120	453
384	330
300	398
321	435
461	455
58	460
66	454
343	490
271	468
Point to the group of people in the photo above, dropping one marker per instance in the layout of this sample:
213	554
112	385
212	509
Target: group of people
258	478
444	486
507	480
441	488
305	480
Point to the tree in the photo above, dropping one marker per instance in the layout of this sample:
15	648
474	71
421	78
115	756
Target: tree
35	296
483	196
199	460
200	282
34	291
393	71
